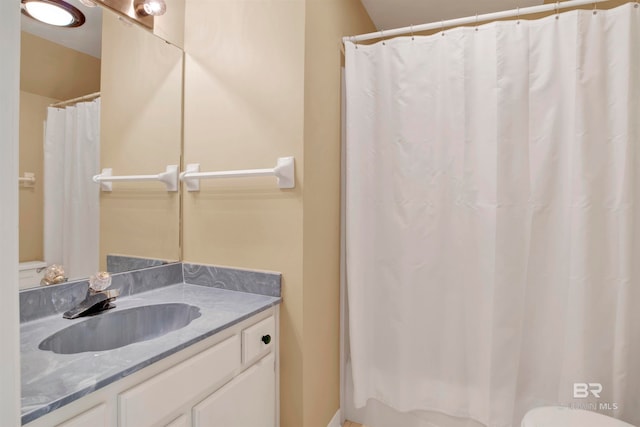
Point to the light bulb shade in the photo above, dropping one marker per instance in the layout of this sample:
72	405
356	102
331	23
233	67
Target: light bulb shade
53	12
150	7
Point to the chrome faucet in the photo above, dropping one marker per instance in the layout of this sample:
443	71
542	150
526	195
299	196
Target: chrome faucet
94	303
98	298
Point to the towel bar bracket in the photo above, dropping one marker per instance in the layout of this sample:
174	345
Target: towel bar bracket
169	178
28	180
192	184
106	186
285	172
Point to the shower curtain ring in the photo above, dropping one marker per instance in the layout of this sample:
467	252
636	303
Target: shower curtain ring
412	38
354	40
442	27
382	37
476	22
595	8
518	16
557	10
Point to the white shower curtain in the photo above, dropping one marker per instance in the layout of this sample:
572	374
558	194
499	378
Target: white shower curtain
71	198
493	218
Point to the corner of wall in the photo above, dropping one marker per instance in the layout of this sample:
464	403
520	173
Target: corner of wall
326	23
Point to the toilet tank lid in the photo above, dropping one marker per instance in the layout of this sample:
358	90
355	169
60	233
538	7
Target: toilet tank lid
558	416
30	265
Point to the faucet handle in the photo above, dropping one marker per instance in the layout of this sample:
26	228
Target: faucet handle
100	281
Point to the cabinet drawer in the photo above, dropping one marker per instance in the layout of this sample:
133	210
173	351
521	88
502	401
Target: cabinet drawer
94	417
156	399
257	339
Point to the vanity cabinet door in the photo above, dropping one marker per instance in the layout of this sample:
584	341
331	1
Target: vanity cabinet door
148	403
247	401
181	421
95	417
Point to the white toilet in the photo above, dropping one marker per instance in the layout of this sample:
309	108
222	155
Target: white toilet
557	416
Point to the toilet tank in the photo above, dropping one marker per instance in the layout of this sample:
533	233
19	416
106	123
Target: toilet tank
28	273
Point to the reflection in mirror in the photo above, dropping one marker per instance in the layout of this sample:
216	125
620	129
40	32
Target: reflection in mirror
141	135
102	95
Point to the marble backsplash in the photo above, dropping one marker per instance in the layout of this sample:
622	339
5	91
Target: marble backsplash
122	263
234	279
43	301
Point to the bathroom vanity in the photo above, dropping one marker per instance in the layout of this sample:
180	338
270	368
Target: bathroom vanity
216	365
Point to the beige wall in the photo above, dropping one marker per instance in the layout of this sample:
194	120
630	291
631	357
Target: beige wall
244	108
602	6
262	80
170	26
48	73
327	21
141	133
54	71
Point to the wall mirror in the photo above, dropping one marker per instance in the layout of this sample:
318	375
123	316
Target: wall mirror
105	94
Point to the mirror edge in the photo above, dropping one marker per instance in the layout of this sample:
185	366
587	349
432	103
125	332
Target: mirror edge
9	307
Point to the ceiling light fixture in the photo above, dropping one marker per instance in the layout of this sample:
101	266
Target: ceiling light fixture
88	3
53	12
150	7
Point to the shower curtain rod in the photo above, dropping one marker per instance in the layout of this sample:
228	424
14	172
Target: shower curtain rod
76	100
471	19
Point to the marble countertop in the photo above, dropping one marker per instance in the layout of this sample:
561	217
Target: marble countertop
51	380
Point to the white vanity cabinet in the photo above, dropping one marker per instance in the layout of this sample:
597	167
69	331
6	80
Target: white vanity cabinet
94	417
229	379
181	421
152	401
228	406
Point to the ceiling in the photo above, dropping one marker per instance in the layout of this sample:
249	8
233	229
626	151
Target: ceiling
86	38
389	14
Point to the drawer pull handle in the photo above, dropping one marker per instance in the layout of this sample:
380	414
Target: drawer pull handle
266	339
